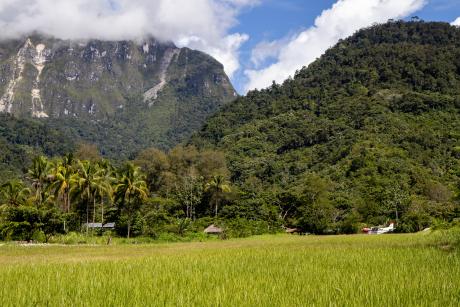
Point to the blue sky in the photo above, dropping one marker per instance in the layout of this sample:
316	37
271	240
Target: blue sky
274	20
277	19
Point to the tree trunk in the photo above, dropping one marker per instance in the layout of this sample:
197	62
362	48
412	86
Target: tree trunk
94	209
87	214
38	197
68	201
129	215
64	196
102	211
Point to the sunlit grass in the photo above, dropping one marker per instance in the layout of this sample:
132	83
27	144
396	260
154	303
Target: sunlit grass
388	270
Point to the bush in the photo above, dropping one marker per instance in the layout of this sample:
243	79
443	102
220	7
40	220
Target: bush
15	231
241	228
23	222
39	236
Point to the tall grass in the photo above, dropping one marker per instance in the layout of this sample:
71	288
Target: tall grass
389	270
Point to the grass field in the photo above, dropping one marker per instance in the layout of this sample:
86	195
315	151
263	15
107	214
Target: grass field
387	270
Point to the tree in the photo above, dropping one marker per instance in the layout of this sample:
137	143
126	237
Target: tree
397	199
62	181
314	210
217	187
130	191
88	152
85	187
189	192
155	164
104	181
39	175
14	192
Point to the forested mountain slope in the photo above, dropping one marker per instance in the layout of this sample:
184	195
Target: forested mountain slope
123	96
367	133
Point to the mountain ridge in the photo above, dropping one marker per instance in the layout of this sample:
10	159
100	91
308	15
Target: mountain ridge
149	93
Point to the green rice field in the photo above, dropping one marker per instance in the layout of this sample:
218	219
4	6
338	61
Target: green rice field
278	270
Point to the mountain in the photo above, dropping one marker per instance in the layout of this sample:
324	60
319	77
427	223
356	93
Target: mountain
367	133
124	95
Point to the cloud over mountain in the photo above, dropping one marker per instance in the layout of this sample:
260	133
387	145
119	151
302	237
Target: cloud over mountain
456	22
200	24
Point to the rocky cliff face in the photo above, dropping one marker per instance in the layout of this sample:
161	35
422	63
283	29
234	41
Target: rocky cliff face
170	91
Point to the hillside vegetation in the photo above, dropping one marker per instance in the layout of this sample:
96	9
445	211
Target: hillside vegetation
23	139
367	133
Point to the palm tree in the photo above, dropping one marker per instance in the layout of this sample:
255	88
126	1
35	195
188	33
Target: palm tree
14	192
217	187
130	191
104	188
62	181
86	186
38	174
68	161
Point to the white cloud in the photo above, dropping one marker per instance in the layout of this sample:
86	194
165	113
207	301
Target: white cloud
266	50
200	24
342	20
456	22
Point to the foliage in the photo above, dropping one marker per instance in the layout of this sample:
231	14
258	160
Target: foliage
217	188
130	191
375	121
185	185
367	134
25	223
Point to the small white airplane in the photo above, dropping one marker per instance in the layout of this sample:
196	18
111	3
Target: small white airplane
379	230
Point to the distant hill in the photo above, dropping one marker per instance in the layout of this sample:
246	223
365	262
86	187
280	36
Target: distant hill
367	133
124	96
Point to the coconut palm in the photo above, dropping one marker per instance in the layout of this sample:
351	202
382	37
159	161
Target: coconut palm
14	192
217	187
62	180
68	160
103	186
130	191
86	186
39	176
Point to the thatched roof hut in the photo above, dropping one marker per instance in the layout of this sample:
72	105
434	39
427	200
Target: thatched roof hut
213	229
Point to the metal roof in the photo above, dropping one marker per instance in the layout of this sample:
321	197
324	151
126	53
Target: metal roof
93	225
99	225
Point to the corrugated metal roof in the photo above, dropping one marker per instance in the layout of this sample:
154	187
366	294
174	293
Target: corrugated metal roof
93	225
99	225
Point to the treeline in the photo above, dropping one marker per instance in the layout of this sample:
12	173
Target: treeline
185	190
178	192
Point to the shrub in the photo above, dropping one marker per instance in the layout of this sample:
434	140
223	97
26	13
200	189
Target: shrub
39	236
